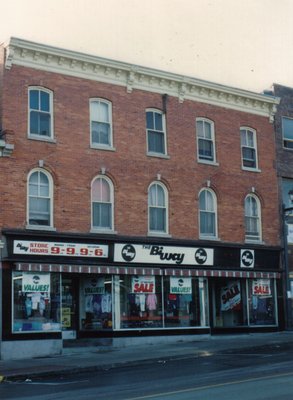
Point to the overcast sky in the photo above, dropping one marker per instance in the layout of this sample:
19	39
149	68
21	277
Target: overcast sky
242	43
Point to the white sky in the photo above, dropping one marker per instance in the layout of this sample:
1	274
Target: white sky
242	43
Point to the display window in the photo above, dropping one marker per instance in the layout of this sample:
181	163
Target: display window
185	302
244	302
230	303
36	302
96	302
140	302
262	305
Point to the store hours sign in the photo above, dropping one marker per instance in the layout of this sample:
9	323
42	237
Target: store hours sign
37	248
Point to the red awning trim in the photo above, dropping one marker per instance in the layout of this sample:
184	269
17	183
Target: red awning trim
94	269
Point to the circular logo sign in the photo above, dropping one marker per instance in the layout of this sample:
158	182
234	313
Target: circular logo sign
200	256
128	252
36	279
247	258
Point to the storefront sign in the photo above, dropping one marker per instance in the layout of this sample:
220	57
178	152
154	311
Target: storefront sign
230	296
33	282
247	258
143	284
180	285
59	249
155	254
261	287
94	286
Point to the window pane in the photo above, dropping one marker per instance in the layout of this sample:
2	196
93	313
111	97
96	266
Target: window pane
34	99
207	223
158	122
101	190
156	142
205	149
39	211
101	133
104	112
199	129
287	128
45	101
150	120
34	122
157	219
102	215
249	157
207	130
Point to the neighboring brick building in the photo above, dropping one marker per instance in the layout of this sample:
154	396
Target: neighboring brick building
134	202
284	147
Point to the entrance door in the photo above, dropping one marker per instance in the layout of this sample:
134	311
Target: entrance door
69	306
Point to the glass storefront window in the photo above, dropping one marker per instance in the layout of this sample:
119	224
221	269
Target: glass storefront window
96	302
230	303
140	302
36	302
262	308
185	302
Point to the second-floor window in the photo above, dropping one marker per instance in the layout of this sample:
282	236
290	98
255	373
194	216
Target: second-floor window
287	128
248	148
207	214
156	132
40	113
157	204
205	134
40	199
101	123
102	204
252	218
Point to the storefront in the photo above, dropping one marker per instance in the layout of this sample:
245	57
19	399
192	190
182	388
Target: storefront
61	287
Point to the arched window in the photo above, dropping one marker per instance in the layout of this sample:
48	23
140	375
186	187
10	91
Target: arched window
40	120
207	214
205	134
101	123
102	203
40	203
157	205
252	218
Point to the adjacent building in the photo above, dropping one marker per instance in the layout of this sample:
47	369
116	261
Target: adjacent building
134	202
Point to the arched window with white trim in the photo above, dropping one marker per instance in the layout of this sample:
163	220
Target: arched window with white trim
205	135
101	123
252	218
102	204
40	109
158	208
40	198
207	214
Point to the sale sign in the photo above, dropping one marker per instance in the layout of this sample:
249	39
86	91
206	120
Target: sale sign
143	284
230	296
261	287
59	249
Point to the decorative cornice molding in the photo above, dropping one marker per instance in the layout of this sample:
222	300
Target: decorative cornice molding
67	62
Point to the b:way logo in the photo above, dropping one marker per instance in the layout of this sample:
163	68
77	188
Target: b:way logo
159	251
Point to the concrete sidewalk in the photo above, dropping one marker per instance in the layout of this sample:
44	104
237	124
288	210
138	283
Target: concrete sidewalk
92	358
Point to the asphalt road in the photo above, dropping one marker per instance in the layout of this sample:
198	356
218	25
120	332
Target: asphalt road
263	374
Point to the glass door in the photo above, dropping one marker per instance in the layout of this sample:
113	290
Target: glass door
69	306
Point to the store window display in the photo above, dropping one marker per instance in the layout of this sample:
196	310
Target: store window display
185	302
96	302
140	302
262	309
36	302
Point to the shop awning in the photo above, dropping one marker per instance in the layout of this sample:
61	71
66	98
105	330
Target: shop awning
94	269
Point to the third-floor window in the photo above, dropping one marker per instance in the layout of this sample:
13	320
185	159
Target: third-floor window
40	120
101	123
156	132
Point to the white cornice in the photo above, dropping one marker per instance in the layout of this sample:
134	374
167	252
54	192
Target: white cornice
67	62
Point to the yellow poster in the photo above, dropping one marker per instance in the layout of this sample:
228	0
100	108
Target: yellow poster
66	317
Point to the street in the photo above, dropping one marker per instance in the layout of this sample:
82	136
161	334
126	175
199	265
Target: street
263	374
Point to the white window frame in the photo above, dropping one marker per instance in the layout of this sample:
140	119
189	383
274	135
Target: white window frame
165	207
163	132
212	140
50	197
36	136
102	146
214	212
249	238
254	147
111	188
283	134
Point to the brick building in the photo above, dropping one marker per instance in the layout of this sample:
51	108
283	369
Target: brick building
134	202
284	148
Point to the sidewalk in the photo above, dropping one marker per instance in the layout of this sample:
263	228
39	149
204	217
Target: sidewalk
92	358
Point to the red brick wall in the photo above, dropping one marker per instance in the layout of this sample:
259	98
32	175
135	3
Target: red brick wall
74	164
